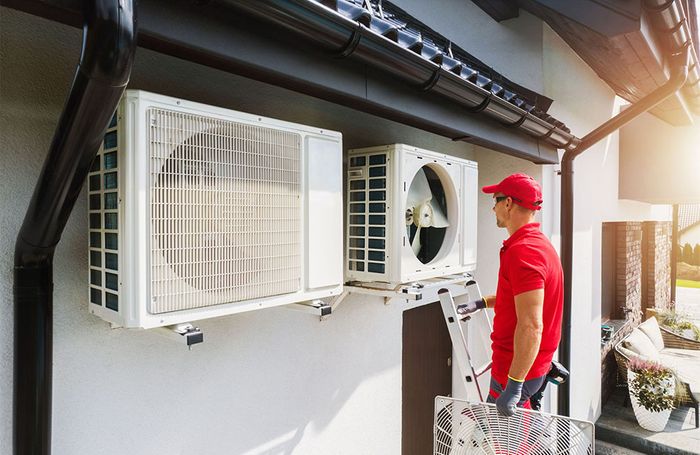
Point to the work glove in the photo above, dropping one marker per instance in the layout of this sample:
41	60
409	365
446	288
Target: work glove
508	399
470	307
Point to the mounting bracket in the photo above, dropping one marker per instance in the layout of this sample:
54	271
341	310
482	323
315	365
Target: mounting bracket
408	291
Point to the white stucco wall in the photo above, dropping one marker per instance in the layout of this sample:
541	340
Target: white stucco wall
275	381
266	382
664	157
583	102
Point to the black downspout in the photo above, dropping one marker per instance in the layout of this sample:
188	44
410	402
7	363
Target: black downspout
109	28
679	73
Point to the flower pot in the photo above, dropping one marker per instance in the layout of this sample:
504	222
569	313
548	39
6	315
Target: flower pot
651	420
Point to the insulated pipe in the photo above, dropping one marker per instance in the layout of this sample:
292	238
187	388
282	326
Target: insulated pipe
107	55
679	74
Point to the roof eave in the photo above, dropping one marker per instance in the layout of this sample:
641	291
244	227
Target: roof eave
217	35
634	63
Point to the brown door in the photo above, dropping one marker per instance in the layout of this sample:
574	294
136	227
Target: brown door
426	372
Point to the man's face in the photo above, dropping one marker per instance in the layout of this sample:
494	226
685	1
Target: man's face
500	202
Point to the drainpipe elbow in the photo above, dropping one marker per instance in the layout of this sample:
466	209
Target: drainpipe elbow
108	41
28	255
680	68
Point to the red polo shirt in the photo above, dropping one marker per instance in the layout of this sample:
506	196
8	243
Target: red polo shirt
528	262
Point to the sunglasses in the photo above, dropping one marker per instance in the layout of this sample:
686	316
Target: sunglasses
501	198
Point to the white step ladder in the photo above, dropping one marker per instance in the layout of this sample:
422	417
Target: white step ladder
468	372
462	427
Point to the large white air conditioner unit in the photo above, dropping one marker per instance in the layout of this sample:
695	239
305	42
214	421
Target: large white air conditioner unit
197	212
411	214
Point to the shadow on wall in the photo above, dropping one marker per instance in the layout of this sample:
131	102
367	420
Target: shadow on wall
259	383
167	75
263	382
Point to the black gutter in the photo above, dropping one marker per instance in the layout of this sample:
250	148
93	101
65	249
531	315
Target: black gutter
109	28
215	34
359	34
679	74
670	22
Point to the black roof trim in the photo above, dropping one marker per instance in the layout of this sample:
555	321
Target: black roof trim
400	66
409	24
400	44
390	21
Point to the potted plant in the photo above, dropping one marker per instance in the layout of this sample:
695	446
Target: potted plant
679	323
652	390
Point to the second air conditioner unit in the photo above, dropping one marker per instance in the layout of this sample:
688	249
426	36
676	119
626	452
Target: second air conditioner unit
197	211
411	214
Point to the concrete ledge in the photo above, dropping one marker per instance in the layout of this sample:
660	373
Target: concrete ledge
617	425
606	448
636	442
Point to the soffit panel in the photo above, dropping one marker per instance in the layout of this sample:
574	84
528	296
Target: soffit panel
630	63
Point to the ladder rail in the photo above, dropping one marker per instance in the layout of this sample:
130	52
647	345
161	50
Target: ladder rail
481	296
464	361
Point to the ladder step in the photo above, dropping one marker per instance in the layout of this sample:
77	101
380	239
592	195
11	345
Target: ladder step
482	370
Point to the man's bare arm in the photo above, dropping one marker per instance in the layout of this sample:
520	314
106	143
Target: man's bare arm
528	332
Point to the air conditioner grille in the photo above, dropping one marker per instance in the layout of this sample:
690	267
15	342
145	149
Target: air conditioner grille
367	217
103	222
225	211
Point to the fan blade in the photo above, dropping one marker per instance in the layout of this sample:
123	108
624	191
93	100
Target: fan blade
416	242
439	217
419	191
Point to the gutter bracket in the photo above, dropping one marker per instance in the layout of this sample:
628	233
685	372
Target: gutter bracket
518	123
432	81
481	106
352	43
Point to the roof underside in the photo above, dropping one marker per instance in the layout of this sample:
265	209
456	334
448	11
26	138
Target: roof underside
284	43
630	58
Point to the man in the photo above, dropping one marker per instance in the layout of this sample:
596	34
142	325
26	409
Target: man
529	298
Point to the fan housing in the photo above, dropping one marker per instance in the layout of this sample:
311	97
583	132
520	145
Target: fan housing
197	211
411	214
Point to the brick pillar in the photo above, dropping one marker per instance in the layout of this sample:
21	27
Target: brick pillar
628	286
628	295
656	283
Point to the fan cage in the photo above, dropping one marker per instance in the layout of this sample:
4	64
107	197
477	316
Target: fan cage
226	218
439	242
462	428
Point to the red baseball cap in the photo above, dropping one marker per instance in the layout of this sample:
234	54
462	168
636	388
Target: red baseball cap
523	189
